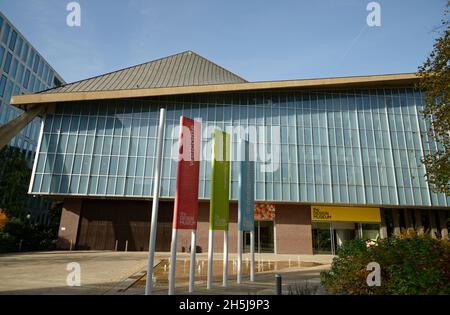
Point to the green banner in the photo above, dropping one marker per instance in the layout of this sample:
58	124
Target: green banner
219	212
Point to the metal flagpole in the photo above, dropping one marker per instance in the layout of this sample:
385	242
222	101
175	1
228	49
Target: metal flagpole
173	261
157	184
210	259
252	256
225	258
192	267
239	250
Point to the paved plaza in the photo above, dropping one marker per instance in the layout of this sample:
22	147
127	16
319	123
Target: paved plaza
124	273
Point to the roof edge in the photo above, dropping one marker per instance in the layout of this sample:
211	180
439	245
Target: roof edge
22	101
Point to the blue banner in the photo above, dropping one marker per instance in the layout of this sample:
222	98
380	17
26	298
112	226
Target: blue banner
246	198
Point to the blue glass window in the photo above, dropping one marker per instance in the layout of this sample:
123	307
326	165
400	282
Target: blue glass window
41	67
6	31
26	78
31	57
2	54
8	91
7	64
36	63
12	41
19	46
25	50
14	68
2	85
50	78
20	71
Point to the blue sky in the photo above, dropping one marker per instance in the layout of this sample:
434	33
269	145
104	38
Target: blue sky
258	40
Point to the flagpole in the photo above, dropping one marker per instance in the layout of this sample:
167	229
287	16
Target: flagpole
192	267
225	258
252	256
239	251
210	259
156	190
173	261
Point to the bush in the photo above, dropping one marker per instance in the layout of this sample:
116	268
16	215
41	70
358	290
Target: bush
7	242
410	264
21	235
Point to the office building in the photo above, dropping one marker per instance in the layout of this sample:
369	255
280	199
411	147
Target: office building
22	71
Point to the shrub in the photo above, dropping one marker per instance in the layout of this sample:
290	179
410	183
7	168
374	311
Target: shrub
303	288
410	264
18	233
7	242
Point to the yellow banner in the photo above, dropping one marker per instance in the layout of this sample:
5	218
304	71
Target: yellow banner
345	214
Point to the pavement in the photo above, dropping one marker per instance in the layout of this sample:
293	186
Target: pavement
119	273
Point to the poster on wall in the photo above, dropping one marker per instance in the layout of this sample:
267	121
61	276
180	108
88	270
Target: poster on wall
264	212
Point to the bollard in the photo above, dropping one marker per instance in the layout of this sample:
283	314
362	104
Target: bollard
126	246
278	284
115	247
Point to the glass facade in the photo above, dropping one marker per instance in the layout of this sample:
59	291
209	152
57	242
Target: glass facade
16	78
338	146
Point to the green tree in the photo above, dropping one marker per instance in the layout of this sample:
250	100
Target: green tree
14	179
435	81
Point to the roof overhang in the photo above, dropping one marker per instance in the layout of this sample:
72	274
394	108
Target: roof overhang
390	80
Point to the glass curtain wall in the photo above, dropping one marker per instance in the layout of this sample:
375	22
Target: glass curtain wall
352	146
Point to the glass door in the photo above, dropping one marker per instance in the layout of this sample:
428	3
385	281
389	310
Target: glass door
322	238
264	238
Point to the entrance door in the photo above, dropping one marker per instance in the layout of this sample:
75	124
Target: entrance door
264	238
321	235
342	232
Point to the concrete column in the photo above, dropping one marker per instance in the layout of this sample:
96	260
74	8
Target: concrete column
408	220
443	224
396	221
383	226
419	225
68	227
433	228
9	130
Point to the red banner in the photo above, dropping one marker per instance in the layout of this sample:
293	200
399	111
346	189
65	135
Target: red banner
186	195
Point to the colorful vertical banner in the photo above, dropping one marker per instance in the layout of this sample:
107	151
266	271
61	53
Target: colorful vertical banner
186	193
220	181
246	197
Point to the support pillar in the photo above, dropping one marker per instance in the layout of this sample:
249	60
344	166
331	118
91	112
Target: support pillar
68	227
408	220
433	227
443	224
9	130
396	221
418	219
383	226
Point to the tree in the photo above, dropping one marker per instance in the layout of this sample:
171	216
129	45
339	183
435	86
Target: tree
435	82
14	178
